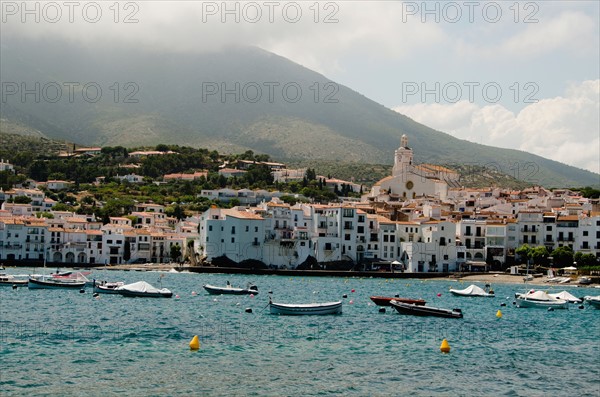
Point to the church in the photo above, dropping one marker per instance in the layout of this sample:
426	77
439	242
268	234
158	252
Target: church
410	181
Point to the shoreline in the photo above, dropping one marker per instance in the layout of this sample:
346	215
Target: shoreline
491	278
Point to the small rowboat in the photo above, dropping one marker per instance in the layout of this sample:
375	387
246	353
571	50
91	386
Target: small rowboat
231	290
385	301
107	288
306	308
416	310
53	283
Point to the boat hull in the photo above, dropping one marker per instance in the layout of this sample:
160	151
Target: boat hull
558	304
593	301
54	284
211	289
416	310
99	289
458	293
385	301
136	294
306	309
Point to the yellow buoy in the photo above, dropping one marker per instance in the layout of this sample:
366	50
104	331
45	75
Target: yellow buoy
499	314
445	347
195	343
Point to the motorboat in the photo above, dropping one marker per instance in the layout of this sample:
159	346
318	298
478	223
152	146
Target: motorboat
385	301
296	309
419	310
142	289
10	280
473	290
230	289
45	282
593	300
104	287
584	280
541	299
564	295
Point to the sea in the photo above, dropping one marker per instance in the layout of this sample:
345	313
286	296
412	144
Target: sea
68	343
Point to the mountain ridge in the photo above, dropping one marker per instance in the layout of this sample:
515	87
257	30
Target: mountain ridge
174	106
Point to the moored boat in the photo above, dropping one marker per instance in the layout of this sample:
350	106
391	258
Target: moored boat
540	299
564	295
473	290
593	300
385	300
417	310
305	308
142	289
107	287
44	282
10	280
231	290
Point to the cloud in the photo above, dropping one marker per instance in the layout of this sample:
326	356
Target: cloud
564	128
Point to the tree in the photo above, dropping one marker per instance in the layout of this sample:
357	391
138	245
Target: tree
563	256
175	252
22	200
584	260
524	252
539	255
127	251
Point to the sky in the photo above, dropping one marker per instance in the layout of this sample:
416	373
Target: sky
512	74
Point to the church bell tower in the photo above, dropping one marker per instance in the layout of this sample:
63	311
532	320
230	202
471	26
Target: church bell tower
403	158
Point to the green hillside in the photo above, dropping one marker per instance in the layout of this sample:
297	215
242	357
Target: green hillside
176	98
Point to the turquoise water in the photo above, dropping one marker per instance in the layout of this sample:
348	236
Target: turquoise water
64	343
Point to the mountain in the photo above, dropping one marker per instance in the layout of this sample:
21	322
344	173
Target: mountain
232	100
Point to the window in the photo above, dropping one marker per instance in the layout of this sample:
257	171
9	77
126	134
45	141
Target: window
256	229
233	239
548	228
585	233
247	228
347	237
385	238
210	228
232	229
445	257
392	238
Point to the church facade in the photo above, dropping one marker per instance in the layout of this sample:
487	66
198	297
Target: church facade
410	181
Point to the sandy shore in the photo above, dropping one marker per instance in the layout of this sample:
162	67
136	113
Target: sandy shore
516	279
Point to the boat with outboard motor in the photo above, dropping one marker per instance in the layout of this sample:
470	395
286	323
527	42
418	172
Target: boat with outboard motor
419	310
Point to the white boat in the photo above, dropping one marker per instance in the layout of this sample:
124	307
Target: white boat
540	299
305	308
45	282
564	295
231	290
104	287
142	289
472	290
593	300
584	280
10	280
